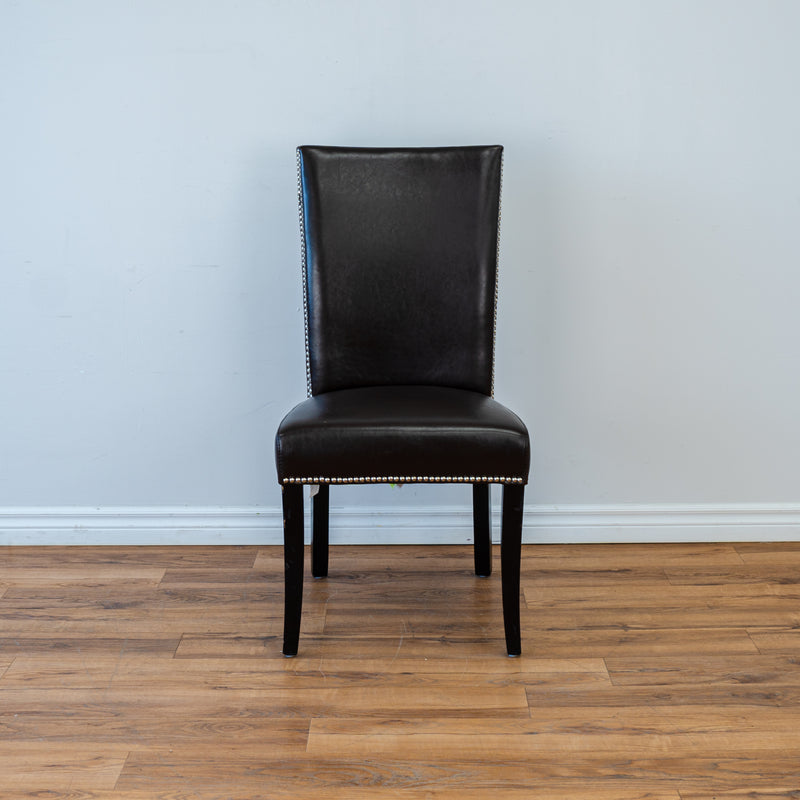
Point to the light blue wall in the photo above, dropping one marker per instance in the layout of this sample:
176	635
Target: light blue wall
150	306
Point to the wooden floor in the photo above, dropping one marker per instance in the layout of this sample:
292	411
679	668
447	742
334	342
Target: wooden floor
667	672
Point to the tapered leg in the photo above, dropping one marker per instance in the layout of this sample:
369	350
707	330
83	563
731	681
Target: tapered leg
510	552
293	566
482	528
319	532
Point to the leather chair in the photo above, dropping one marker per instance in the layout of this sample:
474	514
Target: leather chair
399	251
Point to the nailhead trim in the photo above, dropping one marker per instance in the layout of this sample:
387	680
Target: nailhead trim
304	265
409	479
497	271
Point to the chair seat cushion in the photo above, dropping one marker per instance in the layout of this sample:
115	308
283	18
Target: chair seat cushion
402	434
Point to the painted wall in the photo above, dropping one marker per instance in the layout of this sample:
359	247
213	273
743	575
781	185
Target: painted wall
150	306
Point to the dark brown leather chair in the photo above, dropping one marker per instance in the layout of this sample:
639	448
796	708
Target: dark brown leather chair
400	283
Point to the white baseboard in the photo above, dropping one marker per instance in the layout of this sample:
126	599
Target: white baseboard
397	525
753	522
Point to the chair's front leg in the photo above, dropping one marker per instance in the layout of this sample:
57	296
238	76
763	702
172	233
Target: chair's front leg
319	531
482	528
510	552
293	566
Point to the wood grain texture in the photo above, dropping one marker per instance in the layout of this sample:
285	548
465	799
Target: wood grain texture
652	672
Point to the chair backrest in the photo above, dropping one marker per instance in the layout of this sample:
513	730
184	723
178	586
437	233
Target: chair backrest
400	265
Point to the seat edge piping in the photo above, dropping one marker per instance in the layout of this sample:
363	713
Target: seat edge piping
408	479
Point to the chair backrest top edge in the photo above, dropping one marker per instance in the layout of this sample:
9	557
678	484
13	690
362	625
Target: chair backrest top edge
387	149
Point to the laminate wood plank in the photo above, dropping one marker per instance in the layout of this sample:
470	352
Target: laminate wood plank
285	789
141	594
89	645
465	665
137	594
413	700
78	595
767	670
210	576
775	574
618	556
339	580
419	591
343	577
787	790
247	736
99	621
378	620
473	746
358	587
779	554
450	559
141	623
693	607
616	642
330	778
598	696
719	617
75	766
313	775
582	722
313	648
365	577
166	557
88	575
520	740
141	613
224	645
772	640
353	699
219	675
99	671
622	594
653	577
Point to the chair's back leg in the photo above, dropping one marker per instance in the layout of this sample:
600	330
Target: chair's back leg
510	552
293	566
482	528
319	531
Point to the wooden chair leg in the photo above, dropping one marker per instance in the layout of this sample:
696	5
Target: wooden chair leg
293	566
482	528
510	552
319	532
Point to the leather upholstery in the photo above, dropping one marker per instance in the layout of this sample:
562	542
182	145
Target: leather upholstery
403	434
400	251
401	265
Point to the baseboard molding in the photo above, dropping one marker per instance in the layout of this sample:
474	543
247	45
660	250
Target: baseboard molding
397	525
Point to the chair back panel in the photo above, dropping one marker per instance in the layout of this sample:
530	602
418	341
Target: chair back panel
400	265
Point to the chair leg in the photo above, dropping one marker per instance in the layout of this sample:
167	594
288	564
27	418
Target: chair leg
510	552
293	566
319	532
482	528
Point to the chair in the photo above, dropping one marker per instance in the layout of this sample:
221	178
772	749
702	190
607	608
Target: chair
399	251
